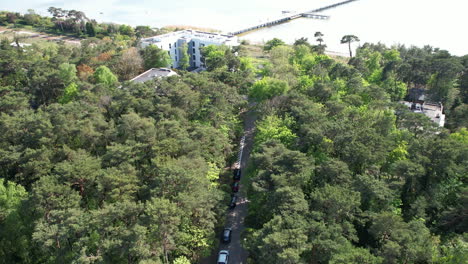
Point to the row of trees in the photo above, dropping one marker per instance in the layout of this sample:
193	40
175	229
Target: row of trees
441	75
132	61
342	173
74	22
399	69
320	48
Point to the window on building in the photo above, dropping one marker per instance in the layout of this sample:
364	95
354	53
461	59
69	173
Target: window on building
169	52
169	45
175	44
193	50
194	57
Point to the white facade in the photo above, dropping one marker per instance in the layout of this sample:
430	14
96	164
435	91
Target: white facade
194	40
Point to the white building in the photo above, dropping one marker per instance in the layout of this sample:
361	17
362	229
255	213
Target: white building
431	110
434	112
194	40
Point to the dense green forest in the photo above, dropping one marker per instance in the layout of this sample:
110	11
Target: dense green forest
342	173
96	169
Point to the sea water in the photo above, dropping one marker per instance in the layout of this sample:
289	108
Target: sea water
410	22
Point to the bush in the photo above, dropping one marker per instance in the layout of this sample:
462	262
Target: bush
268	88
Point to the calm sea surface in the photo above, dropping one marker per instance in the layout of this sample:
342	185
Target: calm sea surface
410	22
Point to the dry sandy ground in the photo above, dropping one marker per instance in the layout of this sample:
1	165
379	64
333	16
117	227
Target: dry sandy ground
29	35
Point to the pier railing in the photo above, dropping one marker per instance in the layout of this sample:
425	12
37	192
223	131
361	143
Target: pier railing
283	19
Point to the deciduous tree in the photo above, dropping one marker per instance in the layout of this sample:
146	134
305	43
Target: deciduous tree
129	65
105	76
275	42
184	59
155	57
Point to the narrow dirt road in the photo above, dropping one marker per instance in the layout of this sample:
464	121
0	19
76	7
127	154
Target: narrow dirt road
235	218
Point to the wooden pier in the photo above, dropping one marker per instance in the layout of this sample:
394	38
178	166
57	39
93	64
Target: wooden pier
315	16
330	6
284	19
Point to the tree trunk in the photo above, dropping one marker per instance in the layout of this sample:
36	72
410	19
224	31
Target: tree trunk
350	52
166	258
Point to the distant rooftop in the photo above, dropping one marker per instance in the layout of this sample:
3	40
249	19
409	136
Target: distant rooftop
152	74
188	34
432	110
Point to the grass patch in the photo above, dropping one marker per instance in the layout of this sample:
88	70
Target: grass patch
254	51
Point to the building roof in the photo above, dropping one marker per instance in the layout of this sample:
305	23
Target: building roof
417	103
431	110
152	74
194	34
434	112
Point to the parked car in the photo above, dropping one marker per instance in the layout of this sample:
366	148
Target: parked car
233	202
235	187
226	238
223	257
237	175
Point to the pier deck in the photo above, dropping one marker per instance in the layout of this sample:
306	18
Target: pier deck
286	18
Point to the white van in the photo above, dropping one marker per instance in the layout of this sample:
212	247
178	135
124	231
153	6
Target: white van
223	257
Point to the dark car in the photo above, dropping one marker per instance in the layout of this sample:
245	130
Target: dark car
226	238
233	204
237	174
235	187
